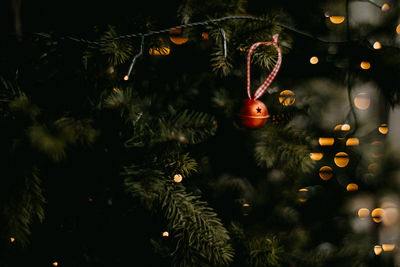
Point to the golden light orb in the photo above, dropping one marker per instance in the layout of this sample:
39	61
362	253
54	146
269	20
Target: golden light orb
338	127
365	65
376	215
388	247
345	127
177	37
398	29
165	234
352	187
205	36
383	128
352	141
178	178
326	141
336	19
341	159
362	101
325	172
316	155
55	263
377	45
159	51
126	77
385	7
287	97
363	212
314	60
377	250
303	190
12	239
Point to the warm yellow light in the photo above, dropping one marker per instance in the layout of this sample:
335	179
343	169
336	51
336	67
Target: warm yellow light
176	36
388	247
377	45
336	19
302	199
338	127
316	156
303	190
165	234
246	205
159	51
352	187
377	250
178	178
205	36
341	159
12	239
376	215
383	128
385	7
398	29
345	127
55	263
326	141
126	77
325	172
314	60
365	65
286	97
352	141
363	212
362	101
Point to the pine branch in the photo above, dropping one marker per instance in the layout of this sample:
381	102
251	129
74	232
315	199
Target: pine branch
65	131
189	127
283	148
26	207
201	238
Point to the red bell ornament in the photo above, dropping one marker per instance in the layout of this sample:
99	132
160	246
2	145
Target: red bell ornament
253	113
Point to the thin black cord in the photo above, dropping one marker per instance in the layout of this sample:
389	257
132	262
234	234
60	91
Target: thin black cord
200	23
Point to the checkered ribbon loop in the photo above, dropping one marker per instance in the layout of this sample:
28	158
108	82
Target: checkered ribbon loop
267	82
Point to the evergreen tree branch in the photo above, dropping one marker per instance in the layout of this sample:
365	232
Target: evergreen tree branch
283	148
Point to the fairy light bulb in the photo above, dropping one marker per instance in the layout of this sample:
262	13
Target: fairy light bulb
388	247
377	45
377	250
385	7
177	178
345	127
362	101
363	212
336	19
314	60
12	239
352	141
398	29
126	77
325	172
316	155
341	159
326	141
352	187
165	234
383	128
365	65
55	263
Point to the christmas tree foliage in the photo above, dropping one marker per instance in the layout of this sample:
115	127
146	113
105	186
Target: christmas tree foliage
122	143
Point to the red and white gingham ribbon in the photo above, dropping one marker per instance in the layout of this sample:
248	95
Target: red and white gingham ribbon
267	82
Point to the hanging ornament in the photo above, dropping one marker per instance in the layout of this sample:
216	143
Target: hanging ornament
253	113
